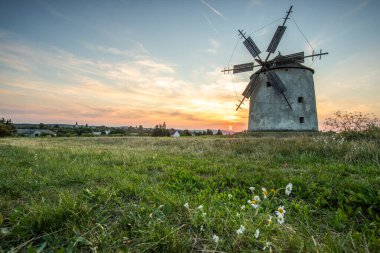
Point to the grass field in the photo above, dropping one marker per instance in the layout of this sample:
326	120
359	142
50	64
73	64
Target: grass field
130	194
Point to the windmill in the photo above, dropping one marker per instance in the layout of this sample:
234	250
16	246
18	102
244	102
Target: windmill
275	108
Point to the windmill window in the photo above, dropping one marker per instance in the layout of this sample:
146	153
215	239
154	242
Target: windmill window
268	84
302	120
300	100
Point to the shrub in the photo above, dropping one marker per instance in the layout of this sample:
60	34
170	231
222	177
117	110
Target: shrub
186	132
7	128
353	125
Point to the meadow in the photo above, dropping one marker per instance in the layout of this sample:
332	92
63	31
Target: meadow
291	193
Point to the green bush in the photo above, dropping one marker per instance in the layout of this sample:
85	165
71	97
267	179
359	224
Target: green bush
372	132
7	128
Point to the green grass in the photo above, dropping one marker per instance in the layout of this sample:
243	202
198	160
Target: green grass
128	194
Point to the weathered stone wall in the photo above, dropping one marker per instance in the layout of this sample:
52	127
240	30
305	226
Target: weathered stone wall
270	112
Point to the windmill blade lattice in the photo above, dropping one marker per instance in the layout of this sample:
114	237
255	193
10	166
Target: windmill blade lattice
276	39
242	68
251	86
297	57
251	47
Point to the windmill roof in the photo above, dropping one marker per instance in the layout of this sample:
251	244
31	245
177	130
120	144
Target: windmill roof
281	61
272	64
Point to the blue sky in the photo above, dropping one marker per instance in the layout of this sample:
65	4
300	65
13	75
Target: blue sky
144	62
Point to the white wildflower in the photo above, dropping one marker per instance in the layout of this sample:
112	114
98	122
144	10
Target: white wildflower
280	219
265	192
242	207
252	189
238	215
254	205
229	196
215	238
257	233
268	245
255	202
270	220
186	205
202	229
200	207
204	214
240	230
288	189
280	211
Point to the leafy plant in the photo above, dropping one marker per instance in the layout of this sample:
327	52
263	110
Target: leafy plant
352	125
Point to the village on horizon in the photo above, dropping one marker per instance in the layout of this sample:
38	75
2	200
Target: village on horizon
62	130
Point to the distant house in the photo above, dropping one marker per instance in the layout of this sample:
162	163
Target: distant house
35	132
174	133
99	133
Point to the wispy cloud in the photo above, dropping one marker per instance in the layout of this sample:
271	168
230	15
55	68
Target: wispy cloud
214	46
60	86
360	6
210	23
256	2
213	9
136	50
49	7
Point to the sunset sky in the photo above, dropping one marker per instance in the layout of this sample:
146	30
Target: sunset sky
125	62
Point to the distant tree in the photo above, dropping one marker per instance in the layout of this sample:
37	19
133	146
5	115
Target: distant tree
160	130
42	126
118	130
186	132
4	130
219	132
7	128
45	134
83	130
65	132
141	129
209	132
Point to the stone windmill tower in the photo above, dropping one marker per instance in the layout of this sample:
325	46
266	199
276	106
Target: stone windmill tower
281	92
